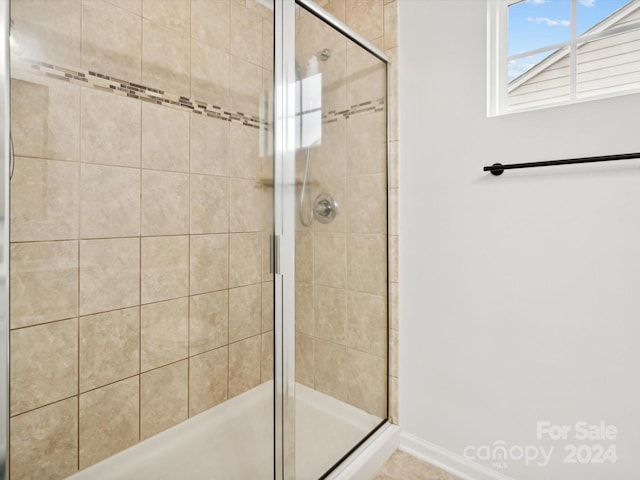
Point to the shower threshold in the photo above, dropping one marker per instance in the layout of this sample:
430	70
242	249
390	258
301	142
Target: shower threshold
234	441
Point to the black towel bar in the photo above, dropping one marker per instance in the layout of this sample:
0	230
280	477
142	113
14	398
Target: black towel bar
498	168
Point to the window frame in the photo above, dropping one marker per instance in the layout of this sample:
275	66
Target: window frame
498	58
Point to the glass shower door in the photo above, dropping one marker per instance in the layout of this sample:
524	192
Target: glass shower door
340	222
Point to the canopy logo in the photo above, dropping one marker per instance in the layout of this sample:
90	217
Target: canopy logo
580	443
499	453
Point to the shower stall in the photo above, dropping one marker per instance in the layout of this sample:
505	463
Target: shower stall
194	266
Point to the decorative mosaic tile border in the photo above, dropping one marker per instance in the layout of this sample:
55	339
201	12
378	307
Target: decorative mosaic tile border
364	107
114	85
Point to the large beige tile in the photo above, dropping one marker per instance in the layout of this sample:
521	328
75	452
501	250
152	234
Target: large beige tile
166	59
245	205
264	9
245	259
246	34
48	272
134	6
244	365
394	165
210	23
367	380
392	86
267	274
367	321
44	200
208	321
367	263
304	256
366	144
209	204
367	200
304	308
209	146
173	14
366	17
44	442
45	119
330	365
394	311
164	268
337	8
208	374
268	44
164	398
111	41
402	466
44	364
266	362
245	316
268	300
165	138
334	76
109	347
394	227
394	351
305	29
210	75
108	420
329	259
330	314
393	117
209	263
110	200
244	157
394	259
110	129
246	87
109	274
164	333
305	360
394	402
165	203
47	31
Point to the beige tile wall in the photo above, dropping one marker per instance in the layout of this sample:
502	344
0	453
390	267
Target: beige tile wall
341	277
119	207
139	293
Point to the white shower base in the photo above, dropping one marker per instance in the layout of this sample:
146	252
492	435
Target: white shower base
234	441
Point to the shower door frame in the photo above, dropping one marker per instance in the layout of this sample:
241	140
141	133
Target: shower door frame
5	174
283	244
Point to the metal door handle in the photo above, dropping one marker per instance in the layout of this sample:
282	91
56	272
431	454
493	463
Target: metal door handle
12	162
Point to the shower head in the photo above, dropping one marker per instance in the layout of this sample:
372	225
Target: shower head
312	63
323	54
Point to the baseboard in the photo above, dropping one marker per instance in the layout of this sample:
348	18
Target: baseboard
446	460
366	461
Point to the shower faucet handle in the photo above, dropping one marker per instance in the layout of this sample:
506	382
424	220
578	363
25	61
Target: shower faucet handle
325	208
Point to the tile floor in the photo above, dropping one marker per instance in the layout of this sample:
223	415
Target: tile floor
402	466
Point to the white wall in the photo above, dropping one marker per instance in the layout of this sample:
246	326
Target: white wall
520	294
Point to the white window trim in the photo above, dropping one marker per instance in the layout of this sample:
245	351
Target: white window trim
497	58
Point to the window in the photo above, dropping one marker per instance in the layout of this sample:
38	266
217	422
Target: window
550	52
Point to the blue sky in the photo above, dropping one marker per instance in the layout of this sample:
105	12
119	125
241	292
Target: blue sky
537	23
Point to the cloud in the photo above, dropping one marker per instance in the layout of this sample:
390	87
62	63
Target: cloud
549	22
586	3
